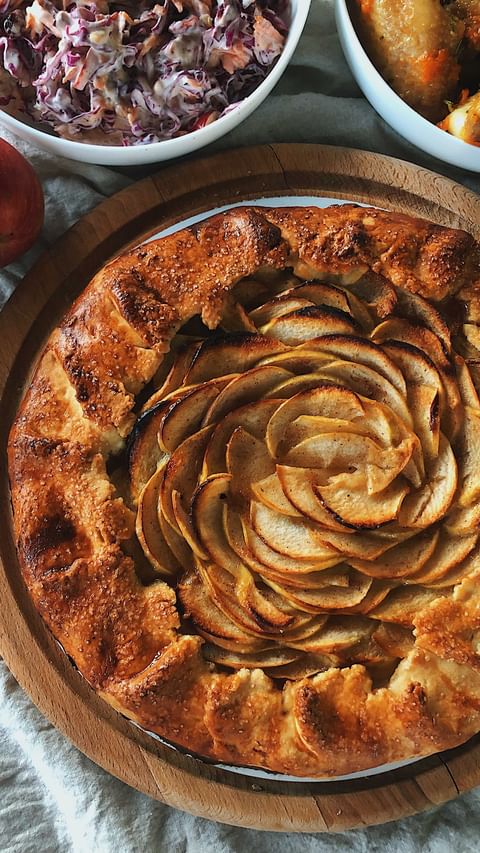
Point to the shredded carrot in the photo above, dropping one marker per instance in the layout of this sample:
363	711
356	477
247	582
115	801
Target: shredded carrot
434	64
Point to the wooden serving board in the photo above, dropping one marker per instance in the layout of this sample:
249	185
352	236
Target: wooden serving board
32	654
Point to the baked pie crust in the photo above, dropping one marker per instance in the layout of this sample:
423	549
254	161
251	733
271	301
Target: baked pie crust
246	487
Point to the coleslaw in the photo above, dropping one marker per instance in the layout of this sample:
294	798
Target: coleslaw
129	73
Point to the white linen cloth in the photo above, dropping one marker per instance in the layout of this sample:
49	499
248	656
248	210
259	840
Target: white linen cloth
52	798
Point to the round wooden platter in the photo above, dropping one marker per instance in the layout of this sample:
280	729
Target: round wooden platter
34	657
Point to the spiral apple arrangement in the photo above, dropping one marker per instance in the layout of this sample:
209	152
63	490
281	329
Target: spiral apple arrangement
308	474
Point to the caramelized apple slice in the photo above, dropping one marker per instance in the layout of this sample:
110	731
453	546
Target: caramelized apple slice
432	501
375	291
328	598
269	492
186	413
182	472
307	323
247	459
284	304
144	453
253	385
402	560
450	552
207	520
466	385
282	563
338	635
330	401
210	620
298	486
148	530
292	537
367	382
361	351
298	361
234	353
348	499
261	660
174	378
403	604
463	520
253	417
469	446
415	307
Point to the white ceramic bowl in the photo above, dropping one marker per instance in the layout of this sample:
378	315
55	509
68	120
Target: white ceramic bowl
408	123
154	152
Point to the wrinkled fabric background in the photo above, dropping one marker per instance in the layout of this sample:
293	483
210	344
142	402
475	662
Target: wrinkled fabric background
52	798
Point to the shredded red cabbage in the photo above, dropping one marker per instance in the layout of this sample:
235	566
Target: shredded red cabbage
133	73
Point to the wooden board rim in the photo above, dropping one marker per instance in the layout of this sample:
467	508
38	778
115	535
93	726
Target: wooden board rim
30	651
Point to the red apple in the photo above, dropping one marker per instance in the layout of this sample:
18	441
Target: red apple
21	204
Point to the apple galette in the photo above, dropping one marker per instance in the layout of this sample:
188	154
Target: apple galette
246	487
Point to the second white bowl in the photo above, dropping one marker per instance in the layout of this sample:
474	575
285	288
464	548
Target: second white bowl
406	121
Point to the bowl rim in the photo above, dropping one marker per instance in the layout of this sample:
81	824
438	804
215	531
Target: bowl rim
439	136
168	148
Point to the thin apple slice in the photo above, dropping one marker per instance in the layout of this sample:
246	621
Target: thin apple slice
221	587
472	334
330	401
468	568
208	522
210	620
402	560
174	378
322	293
247	459
253	417
461	521
375	291
424	404
466	385
296	385
282	563
148	529
298	486
428	342
298	361
364	546
303	667
251	292
449	553
269	492
251	386
339	634
177	544
339	575
433	500
338	453
368	383
395	640
292	537
377	593
184	416
283	304
252	660
469	450
414	307
234	353
403	604
361	351
143	451
307	323
185	527
348	499
328	598
182	471
234	318
414	365
310	426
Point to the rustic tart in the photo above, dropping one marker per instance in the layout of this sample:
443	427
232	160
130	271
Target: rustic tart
246	487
